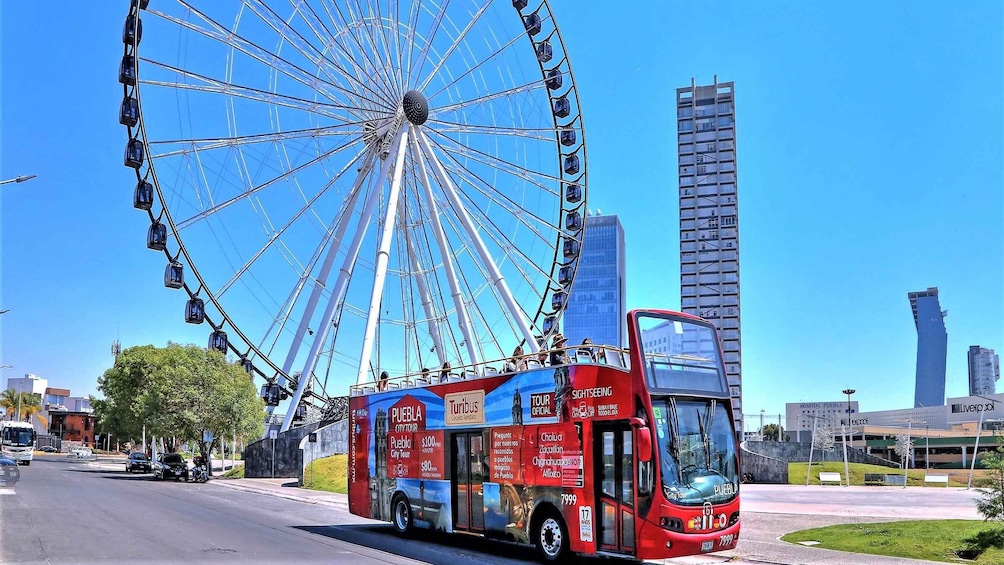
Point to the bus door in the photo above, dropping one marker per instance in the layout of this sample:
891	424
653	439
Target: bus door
468	481
614	456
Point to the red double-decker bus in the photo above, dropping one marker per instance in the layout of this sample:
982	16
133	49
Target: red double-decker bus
616	452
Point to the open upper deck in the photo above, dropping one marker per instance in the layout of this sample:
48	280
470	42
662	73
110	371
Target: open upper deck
591	354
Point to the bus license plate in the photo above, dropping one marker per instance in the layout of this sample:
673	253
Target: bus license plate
707	545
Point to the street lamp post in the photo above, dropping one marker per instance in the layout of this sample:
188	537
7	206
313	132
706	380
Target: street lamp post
21	178
847	470
849	392
761	426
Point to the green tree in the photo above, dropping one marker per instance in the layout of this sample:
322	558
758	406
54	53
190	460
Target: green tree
770	432
991	487
179	392
124	408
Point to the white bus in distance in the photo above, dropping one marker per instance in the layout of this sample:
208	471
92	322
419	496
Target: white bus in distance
17	441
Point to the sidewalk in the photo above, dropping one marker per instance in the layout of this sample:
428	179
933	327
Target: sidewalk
285	488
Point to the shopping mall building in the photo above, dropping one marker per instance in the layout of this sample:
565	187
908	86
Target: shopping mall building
943	436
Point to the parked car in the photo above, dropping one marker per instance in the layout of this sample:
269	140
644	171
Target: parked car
9	473
138	461
80	453
170	465
48	449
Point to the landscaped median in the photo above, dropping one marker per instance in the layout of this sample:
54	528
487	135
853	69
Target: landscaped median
796	473
934	540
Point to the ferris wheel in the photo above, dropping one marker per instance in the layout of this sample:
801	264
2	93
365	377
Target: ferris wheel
346	187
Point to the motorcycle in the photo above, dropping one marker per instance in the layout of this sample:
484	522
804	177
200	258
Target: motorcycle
200	473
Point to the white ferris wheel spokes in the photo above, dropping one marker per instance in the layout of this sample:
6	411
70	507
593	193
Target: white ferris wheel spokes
357	186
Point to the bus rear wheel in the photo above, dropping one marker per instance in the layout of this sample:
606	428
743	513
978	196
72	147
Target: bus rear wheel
402	519
551	537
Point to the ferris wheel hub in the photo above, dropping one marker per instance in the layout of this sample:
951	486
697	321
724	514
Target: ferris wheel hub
416	107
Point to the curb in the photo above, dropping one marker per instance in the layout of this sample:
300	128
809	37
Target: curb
269	492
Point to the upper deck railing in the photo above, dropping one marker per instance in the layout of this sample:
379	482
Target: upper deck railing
591	354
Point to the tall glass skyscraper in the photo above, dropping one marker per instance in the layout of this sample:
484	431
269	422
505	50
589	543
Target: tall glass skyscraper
984	370
932	347
597	304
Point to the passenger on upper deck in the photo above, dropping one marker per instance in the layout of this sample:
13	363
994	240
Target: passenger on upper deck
558	355
444	375
425	375
516	362
382	385
591	351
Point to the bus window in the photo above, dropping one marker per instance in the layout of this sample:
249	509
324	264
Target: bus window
698	451
681	354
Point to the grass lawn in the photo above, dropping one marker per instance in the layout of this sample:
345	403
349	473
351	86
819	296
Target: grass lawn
235	473
796	473
329	473
935	540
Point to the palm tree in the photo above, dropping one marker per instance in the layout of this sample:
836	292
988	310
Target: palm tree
28	403
31	406
8	400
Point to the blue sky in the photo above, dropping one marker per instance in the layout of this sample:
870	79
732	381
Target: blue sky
869	165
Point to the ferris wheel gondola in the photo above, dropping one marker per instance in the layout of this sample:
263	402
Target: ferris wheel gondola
346	188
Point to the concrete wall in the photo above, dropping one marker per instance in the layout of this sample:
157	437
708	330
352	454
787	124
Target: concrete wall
763	469
332	439
288	456
791	451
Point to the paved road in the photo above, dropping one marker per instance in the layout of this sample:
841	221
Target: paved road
79	512
82	512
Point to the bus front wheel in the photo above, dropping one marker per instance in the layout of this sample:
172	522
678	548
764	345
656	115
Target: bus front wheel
551	537
402	515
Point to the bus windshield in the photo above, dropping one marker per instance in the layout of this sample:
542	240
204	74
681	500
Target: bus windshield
681	354
697	450
18	437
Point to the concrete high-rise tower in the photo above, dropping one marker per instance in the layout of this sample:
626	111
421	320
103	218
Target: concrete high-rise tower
984	370
709	218
597	305
932	347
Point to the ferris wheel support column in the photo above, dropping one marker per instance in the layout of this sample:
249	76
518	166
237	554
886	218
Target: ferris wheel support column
427	305
496	276
329	259
341	283
382	258
463	319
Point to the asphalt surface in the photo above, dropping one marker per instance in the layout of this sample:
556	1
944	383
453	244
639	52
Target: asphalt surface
93	512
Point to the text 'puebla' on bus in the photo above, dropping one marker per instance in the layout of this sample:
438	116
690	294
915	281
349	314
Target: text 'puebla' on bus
609	451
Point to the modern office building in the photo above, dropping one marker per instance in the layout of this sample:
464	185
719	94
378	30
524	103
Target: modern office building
984	370
800	415
709	217
932	347
31	384
597	304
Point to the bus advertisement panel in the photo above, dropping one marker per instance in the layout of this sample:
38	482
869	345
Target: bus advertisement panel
581	457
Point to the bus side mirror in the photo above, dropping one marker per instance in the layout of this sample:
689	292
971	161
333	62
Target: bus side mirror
644	444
